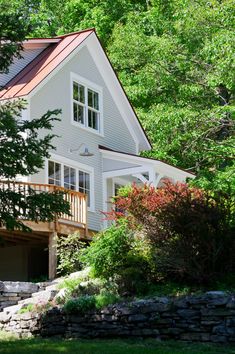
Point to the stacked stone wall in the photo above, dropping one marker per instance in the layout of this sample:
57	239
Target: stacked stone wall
12	292
206	318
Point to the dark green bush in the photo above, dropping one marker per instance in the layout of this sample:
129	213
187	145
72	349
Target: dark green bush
81	304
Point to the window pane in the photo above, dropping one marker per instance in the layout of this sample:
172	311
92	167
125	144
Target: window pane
51	169
84	185
66	175
78	113
93	119
57	171
75	111
73	176
78	92
81	93
75	91
81	180
93	99
90	98
87	180
96	101
81	114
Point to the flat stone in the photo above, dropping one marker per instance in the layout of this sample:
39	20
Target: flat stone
218	339
188	313
137	318
20	287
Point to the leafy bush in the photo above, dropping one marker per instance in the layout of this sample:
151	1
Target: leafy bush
115	251
69	250
81	304
190	230
104	299
108	250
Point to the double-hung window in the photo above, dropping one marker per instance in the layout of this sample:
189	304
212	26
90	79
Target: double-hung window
86	106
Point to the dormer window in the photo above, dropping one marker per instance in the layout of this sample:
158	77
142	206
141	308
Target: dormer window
86	105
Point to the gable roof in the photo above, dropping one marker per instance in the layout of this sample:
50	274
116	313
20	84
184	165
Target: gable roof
55	52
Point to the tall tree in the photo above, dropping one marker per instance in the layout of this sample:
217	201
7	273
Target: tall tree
177	64
22	152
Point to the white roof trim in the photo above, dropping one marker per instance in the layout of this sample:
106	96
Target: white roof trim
41	40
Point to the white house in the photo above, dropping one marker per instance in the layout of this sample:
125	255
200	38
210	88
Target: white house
100	138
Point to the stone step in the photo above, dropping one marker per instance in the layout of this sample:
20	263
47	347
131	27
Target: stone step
12	309
41	296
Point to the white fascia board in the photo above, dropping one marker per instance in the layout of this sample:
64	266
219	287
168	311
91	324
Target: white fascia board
117	93
125	171
159	166
41	40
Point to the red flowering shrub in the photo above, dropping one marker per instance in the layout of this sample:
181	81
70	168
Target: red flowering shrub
190	230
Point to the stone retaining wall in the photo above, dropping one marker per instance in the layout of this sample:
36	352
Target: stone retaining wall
12	292
206	318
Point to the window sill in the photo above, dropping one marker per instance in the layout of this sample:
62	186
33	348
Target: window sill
89	130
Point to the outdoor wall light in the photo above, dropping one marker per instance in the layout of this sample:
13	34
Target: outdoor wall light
84	151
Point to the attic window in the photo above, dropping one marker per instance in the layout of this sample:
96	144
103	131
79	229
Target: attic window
86	106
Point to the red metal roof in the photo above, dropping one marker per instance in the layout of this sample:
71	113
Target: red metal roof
39	68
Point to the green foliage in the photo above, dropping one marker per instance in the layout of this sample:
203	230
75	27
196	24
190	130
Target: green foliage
105	298
119	254
107	251
25	309
68	251
81	304
85	303
14	26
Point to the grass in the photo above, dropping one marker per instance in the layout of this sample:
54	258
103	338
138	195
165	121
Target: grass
46	346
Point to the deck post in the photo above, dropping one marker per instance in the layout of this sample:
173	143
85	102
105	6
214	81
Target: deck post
52	255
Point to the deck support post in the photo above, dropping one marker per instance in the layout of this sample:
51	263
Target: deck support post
52	255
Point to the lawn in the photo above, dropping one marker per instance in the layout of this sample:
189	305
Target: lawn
46	346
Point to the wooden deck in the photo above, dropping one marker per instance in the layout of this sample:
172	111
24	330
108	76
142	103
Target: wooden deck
64	224
47	232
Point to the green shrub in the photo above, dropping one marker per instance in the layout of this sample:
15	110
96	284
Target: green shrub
104	299
120	254
80	305
68	251
108	250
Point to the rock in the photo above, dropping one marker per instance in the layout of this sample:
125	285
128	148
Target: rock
20	287
137	318
1	286
188	313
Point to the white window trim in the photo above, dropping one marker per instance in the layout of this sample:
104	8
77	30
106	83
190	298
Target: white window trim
94	87
77	166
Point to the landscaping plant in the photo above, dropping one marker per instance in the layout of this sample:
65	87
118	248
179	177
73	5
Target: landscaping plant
190	230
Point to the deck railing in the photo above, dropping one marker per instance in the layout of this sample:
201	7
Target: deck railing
77	200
